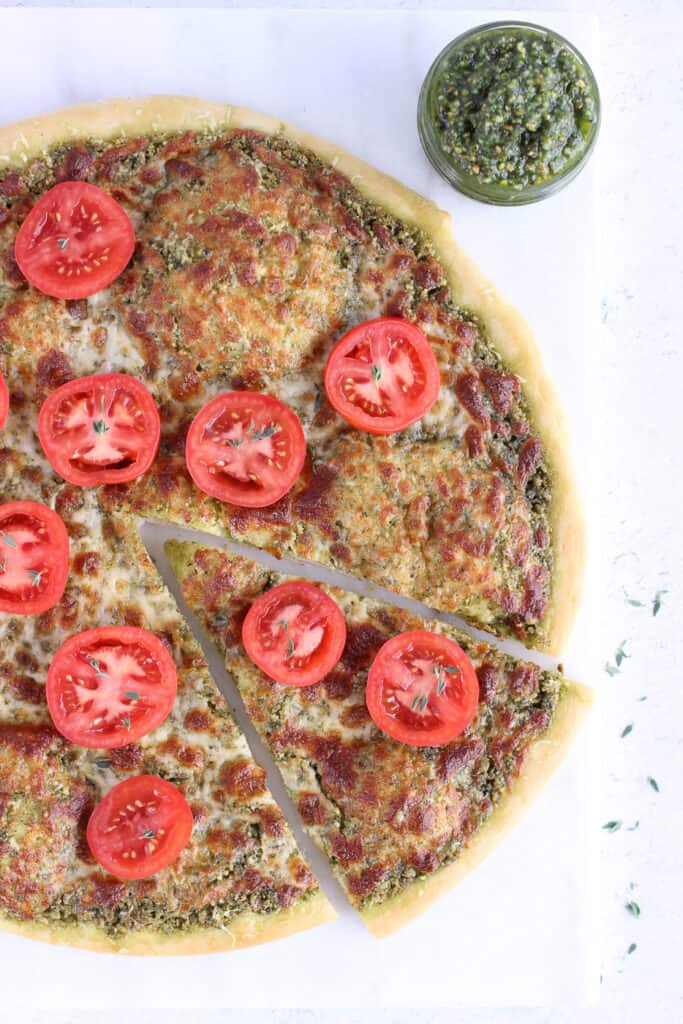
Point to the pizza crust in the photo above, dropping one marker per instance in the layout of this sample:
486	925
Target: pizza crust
508	330
249	929
541	761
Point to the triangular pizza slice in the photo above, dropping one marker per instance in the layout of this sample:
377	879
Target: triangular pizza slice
400	823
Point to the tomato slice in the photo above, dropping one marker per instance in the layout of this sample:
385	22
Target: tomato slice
382	376
140	827
422	689
295	633
34	558
110	686
4	401
100	430
75	241
245	448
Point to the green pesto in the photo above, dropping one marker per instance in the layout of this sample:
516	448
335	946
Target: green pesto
513	108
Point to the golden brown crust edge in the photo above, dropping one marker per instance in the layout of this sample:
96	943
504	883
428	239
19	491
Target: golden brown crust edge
541	761
248	929
507	329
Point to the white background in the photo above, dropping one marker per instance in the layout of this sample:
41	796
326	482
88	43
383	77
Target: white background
639	282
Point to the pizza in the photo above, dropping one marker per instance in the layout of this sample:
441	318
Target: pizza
401	823
211	319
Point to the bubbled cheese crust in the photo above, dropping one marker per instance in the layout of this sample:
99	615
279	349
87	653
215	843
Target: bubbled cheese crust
253	257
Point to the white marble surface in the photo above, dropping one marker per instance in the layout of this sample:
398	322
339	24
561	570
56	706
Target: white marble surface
641	550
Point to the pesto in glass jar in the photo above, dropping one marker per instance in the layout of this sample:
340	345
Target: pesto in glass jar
512	109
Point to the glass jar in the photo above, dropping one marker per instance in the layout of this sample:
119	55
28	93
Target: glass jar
469	183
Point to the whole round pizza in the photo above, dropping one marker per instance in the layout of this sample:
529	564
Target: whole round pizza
213	320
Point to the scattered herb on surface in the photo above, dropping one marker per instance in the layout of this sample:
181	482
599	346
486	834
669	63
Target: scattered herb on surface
657	602
653	783
632	948
102	762
612	826
627	729
633	908
633	601
632	828
621	653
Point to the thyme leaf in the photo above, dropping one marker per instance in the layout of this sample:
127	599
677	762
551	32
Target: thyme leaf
621	653
657	602
266	432
632	908
36	577
100	427
9	541
653	783
376	372
612	826
290	650
62	243
102	762
632	948
131	694
626	730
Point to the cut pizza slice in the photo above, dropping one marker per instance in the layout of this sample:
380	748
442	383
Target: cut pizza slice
400	823
239	880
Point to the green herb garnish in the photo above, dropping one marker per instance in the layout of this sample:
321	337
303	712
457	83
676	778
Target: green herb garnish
633	908
632	948
612	826
626	730
653	783
657	602
376	372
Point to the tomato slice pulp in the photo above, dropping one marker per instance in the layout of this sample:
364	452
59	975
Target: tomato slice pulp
422	689
110	686
245	448
75	241
34	558
295	633
382	376
140	827
100	430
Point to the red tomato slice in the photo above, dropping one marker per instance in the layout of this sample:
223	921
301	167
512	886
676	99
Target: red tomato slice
4	401
422	689
382	376
100	430
295	633
108	687
140	827
34	558
75	241
245	448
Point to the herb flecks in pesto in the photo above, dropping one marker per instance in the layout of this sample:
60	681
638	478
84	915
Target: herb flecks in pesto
513	108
